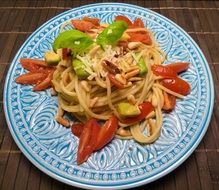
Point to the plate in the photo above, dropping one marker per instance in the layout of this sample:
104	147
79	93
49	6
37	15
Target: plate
123	163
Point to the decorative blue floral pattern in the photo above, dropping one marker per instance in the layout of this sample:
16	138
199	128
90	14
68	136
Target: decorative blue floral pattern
123	163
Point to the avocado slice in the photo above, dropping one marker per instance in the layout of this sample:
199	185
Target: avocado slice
142	66
79	69
126	109
52	58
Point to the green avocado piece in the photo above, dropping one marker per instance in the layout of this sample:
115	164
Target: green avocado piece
52	58
79	69
127	110
142	66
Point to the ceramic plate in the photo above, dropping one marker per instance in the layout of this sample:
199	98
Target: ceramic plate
123	163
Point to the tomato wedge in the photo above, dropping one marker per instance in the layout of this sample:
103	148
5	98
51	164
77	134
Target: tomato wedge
31	78
177	85
93	137
145	108
161	70
138	23
94	21
169	101
77	129
34	65
46	83
25	61
178	67
30	66
87	140
124	18
106	133
82	25
143	37
115	82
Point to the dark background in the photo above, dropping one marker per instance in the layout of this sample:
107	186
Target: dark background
18	19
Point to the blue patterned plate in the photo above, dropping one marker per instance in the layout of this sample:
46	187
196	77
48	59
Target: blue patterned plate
123	163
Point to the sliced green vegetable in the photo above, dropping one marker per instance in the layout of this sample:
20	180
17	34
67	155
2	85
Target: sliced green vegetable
127	110
75	40
112	33
52	58
79	68
142	66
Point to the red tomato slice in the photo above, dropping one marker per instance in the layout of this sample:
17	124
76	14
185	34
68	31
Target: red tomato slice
140	37
77	129
31	78
177	85
46	83
87	140
94	21
124	18
34	65
169	101
82	25
106	133
25	61
145	108
138	23
161	70
178	67
30	66
115	82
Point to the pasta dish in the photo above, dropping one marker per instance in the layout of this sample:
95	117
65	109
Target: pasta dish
111	75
